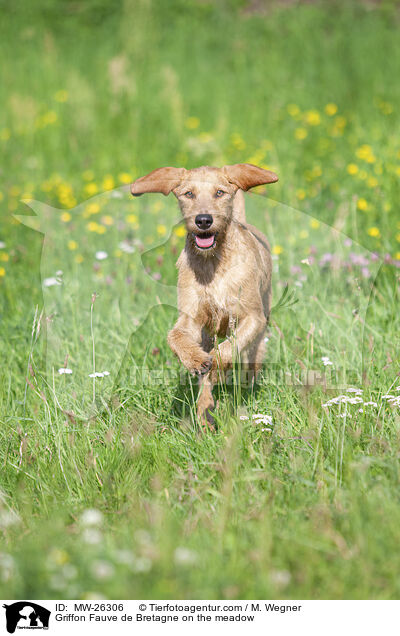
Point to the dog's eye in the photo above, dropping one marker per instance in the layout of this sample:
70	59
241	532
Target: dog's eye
189	194
219	193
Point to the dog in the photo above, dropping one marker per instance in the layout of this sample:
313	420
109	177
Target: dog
224	280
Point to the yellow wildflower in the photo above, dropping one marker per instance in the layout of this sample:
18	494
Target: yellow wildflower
59	556
61	96
4	257
157	206
92	208
79	258
277	249
374	231
364	151
161	230
108	182
48	118
340	121
192	123
91	188
132	218
315	224
352	168
72	245
300	133
65	217
107	219
313	118
362	204
238	142
331	109
372	182
293	110
180	231
125	177
2	272
397	256
398	237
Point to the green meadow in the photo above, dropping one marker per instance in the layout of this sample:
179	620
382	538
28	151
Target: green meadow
108	486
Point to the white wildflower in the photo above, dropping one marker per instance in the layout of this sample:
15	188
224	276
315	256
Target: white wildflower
184	556
244	417
2	245
370	403
325	361
91	517
51	281
262	418
101	255
280	578
7	567
102	569
125	557
124	246
8	518
142	564
92	536
344	399
351	390
64	371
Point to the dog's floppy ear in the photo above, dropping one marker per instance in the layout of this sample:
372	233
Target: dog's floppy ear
162	180
246	175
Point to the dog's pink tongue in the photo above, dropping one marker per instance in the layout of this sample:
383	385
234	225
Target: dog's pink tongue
205	241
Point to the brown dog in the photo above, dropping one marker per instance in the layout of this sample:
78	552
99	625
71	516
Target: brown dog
224	282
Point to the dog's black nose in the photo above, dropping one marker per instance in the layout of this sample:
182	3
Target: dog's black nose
203	221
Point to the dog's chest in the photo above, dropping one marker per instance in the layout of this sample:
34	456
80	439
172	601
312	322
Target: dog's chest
220	305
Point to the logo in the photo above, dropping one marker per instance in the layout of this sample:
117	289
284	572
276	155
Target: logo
26	615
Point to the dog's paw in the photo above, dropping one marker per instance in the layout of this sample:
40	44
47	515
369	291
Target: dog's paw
202	366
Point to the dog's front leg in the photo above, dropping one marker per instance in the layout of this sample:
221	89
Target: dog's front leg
247	331
205	402
184	340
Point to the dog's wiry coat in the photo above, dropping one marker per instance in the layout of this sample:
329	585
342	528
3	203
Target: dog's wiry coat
224	290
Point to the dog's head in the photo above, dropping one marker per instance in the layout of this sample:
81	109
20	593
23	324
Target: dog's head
205	196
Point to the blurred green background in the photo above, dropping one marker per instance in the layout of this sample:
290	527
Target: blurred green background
132	502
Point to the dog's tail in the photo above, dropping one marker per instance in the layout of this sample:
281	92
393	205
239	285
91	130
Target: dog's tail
239	212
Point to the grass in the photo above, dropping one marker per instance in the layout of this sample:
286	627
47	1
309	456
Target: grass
108	488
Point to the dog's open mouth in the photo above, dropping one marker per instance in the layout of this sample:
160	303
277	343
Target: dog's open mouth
204	241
